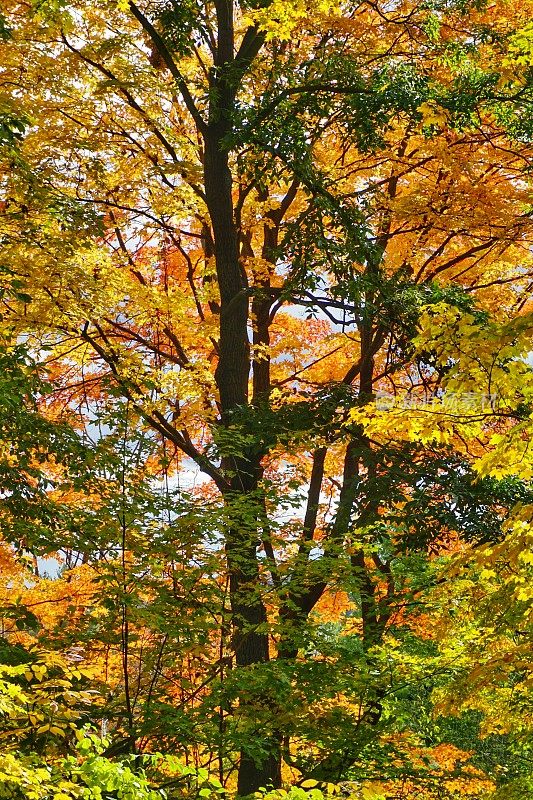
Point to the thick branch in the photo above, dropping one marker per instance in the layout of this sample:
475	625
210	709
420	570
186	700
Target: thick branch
164	52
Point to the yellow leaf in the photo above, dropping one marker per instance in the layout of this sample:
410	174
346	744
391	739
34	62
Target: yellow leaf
43	729
371	793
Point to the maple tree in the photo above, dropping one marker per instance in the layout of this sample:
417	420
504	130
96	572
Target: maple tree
287	248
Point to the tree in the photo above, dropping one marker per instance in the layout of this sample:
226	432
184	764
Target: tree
193	176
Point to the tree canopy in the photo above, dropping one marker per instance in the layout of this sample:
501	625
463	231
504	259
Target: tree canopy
266	399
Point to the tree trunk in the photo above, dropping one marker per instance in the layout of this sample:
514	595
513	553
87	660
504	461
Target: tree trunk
250	647
250	637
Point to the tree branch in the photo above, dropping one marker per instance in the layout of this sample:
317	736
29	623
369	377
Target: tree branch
164	52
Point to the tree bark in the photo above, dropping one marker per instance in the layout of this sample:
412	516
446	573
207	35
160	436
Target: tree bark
250	639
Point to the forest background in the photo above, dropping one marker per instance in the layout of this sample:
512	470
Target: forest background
265	398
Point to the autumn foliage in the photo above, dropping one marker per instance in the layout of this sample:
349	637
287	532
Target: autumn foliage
266	399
